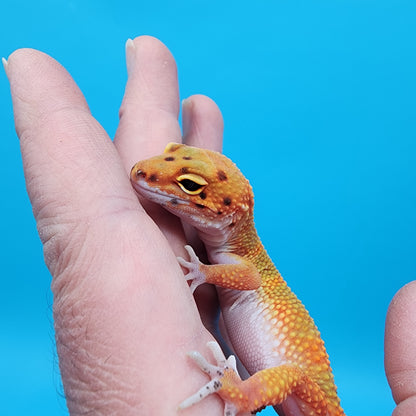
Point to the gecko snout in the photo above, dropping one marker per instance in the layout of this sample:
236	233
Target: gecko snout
137	173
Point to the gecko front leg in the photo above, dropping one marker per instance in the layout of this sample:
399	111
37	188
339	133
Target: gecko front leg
195	274
238	274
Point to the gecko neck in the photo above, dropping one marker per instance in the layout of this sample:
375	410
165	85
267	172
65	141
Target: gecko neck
239	237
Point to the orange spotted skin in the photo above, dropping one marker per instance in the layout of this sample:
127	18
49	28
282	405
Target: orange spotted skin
270	329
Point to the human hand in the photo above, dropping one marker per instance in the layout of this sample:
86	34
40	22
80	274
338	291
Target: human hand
123	314
400	350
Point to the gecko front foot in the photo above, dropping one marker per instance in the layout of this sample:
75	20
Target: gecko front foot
194	268
216	372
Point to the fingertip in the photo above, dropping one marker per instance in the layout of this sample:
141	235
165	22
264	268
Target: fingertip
154	51
26	58
202	122
16	58
400	343
39	85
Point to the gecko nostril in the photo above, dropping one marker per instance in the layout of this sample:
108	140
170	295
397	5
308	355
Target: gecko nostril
140	173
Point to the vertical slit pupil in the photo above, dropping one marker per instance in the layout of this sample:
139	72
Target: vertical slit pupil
190	185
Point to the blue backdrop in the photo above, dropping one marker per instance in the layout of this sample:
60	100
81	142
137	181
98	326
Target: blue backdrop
319	106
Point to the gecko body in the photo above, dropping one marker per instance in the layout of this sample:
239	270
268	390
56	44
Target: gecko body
269	328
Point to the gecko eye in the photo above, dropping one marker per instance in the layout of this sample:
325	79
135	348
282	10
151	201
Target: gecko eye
191	184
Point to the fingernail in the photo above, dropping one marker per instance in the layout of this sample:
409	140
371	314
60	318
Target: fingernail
5	65
186	102
130	55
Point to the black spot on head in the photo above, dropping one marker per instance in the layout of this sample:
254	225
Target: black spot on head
153	178
186	158
202	195
200	206
227	201
221	175
169	158
174	201
184	170
232	225
219	212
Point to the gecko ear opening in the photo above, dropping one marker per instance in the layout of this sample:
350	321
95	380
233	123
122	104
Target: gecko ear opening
191	184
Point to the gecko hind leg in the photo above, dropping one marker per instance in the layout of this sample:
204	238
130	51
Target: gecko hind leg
216	372
270	386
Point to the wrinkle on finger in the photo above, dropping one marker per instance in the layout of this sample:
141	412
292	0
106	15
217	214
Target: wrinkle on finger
108	311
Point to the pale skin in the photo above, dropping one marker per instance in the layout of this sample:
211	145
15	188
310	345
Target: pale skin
123	313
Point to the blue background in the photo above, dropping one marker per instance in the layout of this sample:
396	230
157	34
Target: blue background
319	106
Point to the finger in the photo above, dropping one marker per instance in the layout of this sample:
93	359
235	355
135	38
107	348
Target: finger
203	126
202	123
150	107
149	117
66	153
400	349
110	275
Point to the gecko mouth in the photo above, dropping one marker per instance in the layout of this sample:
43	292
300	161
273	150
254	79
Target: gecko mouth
156	195
202	219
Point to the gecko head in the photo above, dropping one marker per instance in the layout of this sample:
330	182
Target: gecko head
201	186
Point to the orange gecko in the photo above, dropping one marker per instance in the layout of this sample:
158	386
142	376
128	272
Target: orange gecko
269	328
